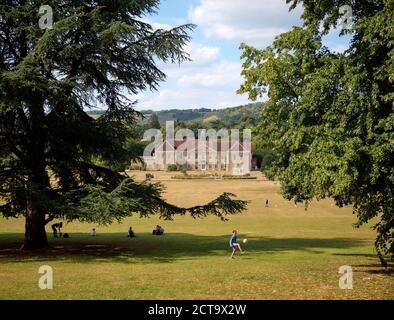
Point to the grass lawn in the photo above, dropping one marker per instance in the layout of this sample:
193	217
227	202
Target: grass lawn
291	253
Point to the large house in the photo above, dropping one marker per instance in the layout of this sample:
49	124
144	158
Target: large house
218	155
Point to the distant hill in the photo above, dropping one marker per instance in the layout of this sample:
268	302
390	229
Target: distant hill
180	115
203	114
227	115
206	116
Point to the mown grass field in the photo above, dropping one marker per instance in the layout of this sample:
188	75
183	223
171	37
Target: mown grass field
291	253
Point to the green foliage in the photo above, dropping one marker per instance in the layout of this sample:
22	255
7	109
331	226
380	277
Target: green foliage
247	113
246	176
186	176
153	122
130	150
242	117
51	149
263	151
172	168
330	116
95	204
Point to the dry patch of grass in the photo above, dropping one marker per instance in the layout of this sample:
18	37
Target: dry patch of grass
291	253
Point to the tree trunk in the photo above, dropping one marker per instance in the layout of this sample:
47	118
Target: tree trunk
37	185
37	182
35	234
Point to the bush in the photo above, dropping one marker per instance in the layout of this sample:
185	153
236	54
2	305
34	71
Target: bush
243	177
172	167
213	176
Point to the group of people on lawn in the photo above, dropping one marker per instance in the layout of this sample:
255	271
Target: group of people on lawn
56	228
157	231
130	233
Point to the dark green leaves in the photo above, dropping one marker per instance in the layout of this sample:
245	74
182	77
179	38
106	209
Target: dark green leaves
329	118
56	160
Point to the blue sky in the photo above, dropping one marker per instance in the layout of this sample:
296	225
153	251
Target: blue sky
212	78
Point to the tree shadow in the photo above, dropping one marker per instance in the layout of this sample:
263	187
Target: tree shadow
382	271
365	255
146	248
376	268
375	264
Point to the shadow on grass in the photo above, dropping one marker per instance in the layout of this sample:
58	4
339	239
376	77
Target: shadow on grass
377	268
375	264
382	271
365	255
116	247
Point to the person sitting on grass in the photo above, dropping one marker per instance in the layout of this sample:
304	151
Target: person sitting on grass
93	233
158	231
234	245
130	233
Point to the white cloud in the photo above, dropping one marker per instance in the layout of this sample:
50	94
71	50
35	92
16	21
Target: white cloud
255	22
340	48
190	99
157	25
194	85
222	75
181	21
201	54
209	80
201	57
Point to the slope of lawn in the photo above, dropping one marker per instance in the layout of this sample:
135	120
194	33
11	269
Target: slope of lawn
291	253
